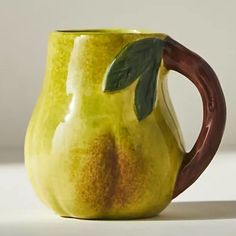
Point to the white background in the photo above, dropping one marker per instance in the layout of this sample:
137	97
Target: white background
207	27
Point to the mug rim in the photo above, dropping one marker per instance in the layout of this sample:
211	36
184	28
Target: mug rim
105	31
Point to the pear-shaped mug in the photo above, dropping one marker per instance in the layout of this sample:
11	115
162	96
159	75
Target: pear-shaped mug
103	141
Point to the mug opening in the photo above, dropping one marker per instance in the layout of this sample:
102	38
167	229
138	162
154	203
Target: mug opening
106	31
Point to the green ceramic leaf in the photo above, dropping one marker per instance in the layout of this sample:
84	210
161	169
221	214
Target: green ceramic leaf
140	59
145	92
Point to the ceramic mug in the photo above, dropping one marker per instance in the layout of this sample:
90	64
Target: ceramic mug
103	141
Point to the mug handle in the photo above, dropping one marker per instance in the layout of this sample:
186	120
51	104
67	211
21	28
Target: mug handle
178	58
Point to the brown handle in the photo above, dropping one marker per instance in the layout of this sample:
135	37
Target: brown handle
178	58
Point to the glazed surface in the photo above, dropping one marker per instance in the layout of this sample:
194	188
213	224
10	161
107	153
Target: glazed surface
86	153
